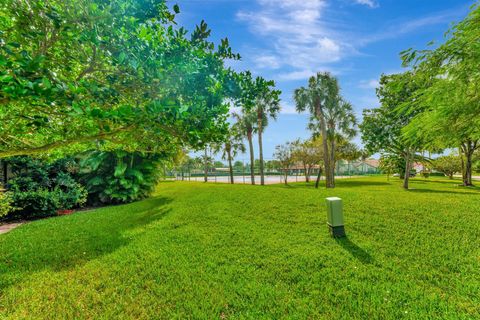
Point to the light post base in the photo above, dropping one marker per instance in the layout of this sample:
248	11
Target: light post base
337	231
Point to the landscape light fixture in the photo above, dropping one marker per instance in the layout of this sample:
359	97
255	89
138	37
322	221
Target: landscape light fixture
335	217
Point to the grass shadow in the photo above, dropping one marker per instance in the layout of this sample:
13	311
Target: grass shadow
346	183
63	242
467	192
357	252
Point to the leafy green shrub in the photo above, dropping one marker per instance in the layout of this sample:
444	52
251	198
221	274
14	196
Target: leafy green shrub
38	189
35	204
118	176
6	204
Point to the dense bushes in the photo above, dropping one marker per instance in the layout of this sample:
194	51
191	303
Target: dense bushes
39	189
118	176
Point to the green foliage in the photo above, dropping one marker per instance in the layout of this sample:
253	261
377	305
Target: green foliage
78	72
38	189
331	116
119	176
449	165
392	163
6	204
447	107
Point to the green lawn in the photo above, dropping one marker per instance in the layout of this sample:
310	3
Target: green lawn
210	251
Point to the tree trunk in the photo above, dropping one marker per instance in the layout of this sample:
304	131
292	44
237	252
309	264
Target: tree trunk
319	175
205	173
460	152
252	157
260	148
407	171
468	170
286	177
306	173
326	155
230	166
468	148
332	163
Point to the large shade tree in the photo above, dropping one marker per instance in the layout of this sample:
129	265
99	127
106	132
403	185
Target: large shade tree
89	73
448	109
382	127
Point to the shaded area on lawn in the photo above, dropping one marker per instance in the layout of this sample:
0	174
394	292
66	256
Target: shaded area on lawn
357	252
64	242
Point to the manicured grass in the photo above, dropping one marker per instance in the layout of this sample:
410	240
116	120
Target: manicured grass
209	251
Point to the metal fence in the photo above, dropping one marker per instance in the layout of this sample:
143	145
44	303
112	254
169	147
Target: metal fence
219	172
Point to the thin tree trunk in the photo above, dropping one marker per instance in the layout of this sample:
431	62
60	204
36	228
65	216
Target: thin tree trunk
260	153
468	167
319	175
407	170
205	176
230	166
306	173
326	155
461	153
332	163
252	157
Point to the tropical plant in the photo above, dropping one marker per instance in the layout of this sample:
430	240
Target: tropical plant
232	145
207	160
119	176
246	122
267	106
330	115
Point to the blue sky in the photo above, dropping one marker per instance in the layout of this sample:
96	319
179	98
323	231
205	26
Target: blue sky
289	40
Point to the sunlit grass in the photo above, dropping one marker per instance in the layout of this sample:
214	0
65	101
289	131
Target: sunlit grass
209	251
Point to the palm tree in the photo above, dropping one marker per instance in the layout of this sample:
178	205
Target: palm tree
331	116
246	123
341	122
231	146
267	106
322	90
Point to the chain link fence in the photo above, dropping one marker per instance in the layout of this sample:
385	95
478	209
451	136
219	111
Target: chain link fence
219	171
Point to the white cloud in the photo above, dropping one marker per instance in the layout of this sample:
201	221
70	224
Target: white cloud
267	61
369	3
301	38
296	75
287	108
298	36
369	84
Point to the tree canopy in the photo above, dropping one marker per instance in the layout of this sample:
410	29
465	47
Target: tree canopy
117	72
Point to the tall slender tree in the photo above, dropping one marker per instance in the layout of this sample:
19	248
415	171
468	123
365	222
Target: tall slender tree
341	123
230	147
246	125
267	106
330	115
